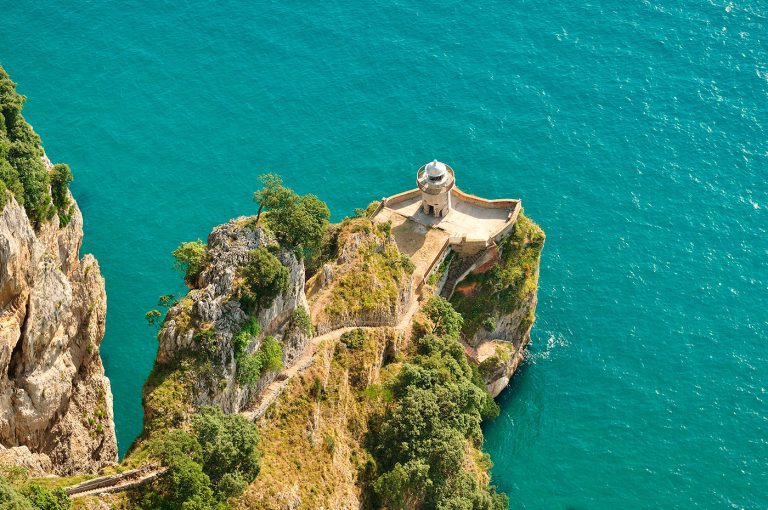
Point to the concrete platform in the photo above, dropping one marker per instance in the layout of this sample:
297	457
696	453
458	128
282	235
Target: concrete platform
464	219
422	243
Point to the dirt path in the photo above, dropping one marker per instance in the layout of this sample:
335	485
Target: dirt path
276	387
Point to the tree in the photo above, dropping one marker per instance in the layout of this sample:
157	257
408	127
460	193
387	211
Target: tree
191	259
447	320
301	225
299	222
272	195
229	454
264	277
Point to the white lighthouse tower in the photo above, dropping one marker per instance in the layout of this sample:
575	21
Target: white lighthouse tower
436	180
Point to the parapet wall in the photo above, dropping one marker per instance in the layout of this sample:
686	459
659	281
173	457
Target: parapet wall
466	243
400	197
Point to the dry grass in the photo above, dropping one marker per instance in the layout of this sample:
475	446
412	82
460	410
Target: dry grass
311	439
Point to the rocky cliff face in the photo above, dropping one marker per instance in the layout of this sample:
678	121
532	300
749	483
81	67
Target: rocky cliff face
498	302
369	284
213	307
55	401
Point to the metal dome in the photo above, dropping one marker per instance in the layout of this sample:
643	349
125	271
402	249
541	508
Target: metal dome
435	169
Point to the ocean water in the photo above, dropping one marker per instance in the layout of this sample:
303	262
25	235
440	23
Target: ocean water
636	133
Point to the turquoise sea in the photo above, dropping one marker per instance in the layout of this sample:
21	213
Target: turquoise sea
636	133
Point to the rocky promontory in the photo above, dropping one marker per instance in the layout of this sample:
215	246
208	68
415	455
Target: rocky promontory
56	400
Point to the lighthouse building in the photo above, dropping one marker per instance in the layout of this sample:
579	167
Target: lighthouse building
436	180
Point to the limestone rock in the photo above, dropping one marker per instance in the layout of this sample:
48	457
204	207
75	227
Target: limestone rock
54	397
213	306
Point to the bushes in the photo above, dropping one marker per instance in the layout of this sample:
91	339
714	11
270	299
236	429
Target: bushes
419	444
300	320
447	321
269	357
251	329
32	497
214	462
45	499
354	339
299	222
22	170
263	278
61	176
191	259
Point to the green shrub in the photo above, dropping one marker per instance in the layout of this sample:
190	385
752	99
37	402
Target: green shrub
44	499
247	333
354	339
10	499
249	369
263	278
489	323
269	357
272	354
300	320
447	321
3	195
61	176
206	339
191	259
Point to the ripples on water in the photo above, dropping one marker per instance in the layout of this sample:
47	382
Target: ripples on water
634	132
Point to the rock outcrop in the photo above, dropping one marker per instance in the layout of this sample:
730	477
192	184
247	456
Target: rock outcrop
497	299
369	284
212	306
55	401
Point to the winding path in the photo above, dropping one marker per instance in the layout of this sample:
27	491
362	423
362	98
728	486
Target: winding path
276	387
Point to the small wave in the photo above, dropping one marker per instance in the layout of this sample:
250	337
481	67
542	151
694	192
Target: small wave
554	341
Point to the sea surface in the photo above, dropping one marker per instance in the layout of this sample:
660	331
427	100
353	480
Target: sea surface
636	133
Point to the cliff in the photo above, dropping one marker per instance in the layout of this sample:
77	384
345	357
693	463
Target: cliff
498	302
55	402
368	283
209	336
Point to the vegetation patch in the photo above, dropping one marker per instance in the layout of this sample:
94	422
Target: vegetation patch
269	358
421	440
213	461
375	277
22	171
482	298
298	222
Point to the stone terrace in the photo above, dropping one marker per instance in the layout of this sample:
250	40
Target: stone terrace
472	225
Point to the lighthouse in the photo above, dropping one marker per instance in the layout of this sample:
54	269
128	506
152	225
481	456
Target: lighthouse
435	180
